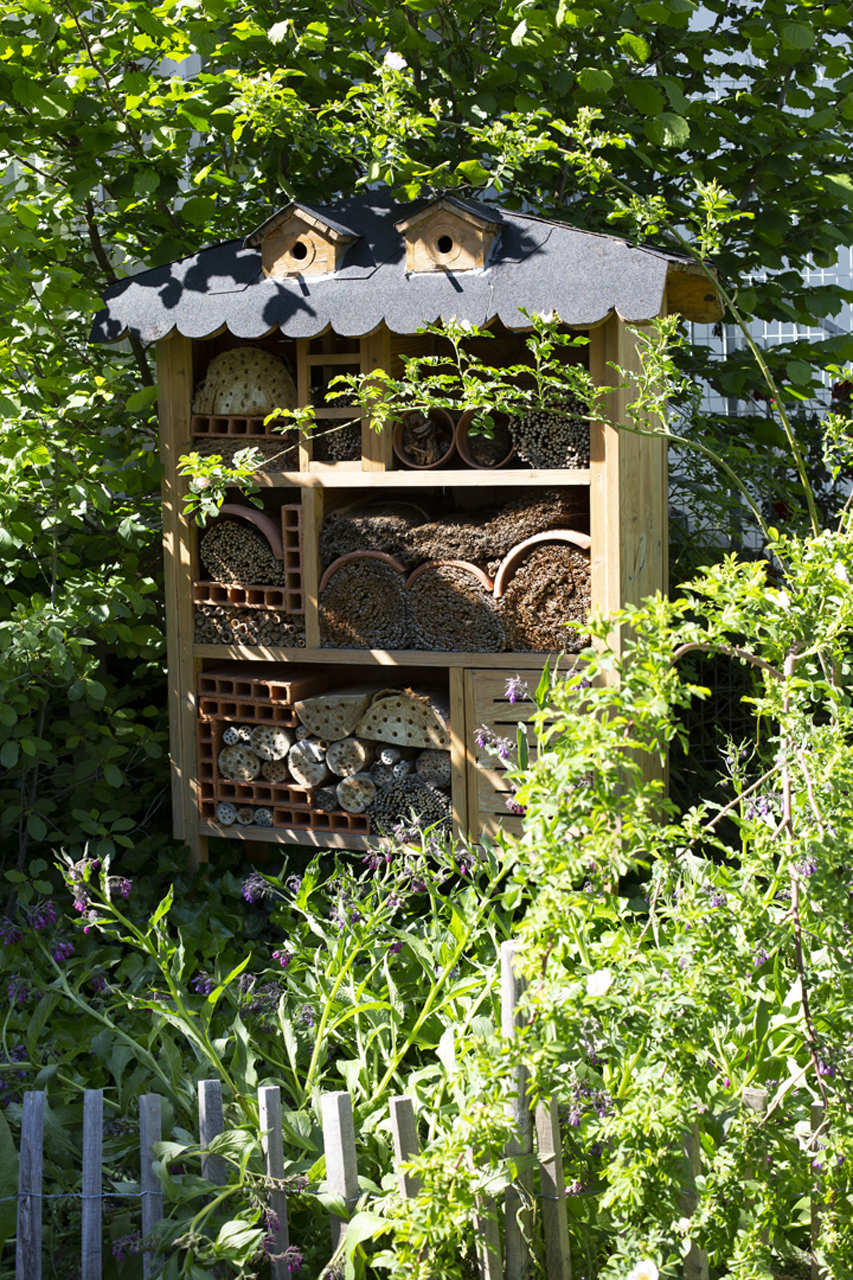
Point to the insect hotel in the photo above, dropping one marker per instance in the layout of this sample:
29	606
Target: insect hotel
334	654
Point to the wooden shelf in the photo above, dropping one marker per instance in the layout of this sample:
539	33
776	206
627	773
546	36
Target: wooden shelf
281	835
440	661
345	475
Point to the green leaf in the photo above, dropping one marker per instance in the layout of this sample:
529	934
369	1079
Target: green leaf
799	372
9	753
634	46
198	210
594	81
113	776
8	1182
667	130
474	172
164	908
36	827
797	35
644	96
839	185
7	715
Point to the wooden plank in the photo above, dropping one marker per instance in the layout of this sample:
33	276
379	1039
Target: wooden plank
339	1145
817	1117
150	1131
332	477
696	1262
92	1202
289	835
404	1131
517	1213
180	555
30	1166
458	770
404	658
269	1110
552	1187
376	449
303	398
210	1124
313	514
487	1236
755	1100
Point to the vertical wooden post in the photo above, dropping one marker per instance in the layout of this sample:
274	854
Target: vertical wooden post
269	1110
487	1235
377	451
150	1131
175	376
303	399
28	1244
210	1124
818	1115
339	1144
313	514
552	1185
404	1130
696	1262
755	1100
458	758
92	1206
517	1215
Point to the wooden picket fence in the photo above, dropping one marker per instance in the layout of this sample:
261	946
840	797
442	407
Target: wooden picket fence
336	1115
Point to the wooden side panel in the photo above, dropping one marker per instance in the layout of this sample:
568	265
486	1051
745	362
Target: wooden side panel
175	376
486	704
458	763
628	486
377	452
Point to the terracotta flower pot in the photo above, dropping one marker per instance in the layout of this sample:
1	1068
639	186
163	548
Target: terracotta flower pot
358	555
445	430
463	442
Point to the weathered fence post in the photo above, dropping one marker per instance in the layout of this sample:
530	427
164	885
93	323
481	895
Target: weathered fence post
487	1235
552	1185
755	1100
339	1145
269	1111
210	1125
92	1204
28	1248
150	1131
696	1262
517	1215
404	1130
818	1116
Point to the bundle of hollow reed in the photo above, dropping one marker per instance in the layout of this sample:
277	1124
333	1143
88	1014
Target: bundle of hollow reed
340	442
225	624
549	590
395	802
363	606
281	454
234	552
458	538
451	610
553	437
368	532
510	524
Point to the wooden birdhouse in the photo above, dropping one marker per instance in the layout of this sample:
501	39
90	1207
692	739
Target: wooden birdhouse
337	659
449	235
295	241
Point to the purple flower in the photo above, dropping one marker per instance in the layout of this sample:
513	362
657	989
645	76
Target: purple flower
255	887
61	949
131	1244
202	983
307	1015
759	958
484	737
503	746
39	917
516	689
9	932
293	1259
98	983
514	807
283	957
716	897
396	947
119	885
18	991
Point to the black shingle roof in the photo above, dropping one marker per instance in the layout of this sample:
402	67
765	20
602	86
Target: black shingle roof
536	264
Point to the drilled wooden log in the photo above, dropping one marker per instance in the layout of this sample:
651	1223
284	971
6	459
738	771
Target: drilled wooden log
433	767
356	793
405	718
326	799
349	756
306	761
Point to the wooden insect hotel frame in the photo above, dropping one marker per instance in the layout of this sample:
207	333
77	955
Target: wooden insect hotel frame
383	561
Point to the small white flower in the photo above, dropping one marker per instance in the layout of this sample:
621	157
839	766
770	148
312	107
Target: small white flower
395	61
682	1226
597	984
644	1270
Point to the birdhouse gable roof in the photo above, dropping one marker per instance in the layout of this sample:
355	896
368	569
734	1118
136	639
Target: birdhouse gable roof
320	221
484	219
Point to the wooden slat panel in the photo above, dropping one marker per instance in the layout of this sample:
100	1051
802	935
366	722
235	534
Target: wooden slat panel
486	704
92	1203
150	1131
28	1243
